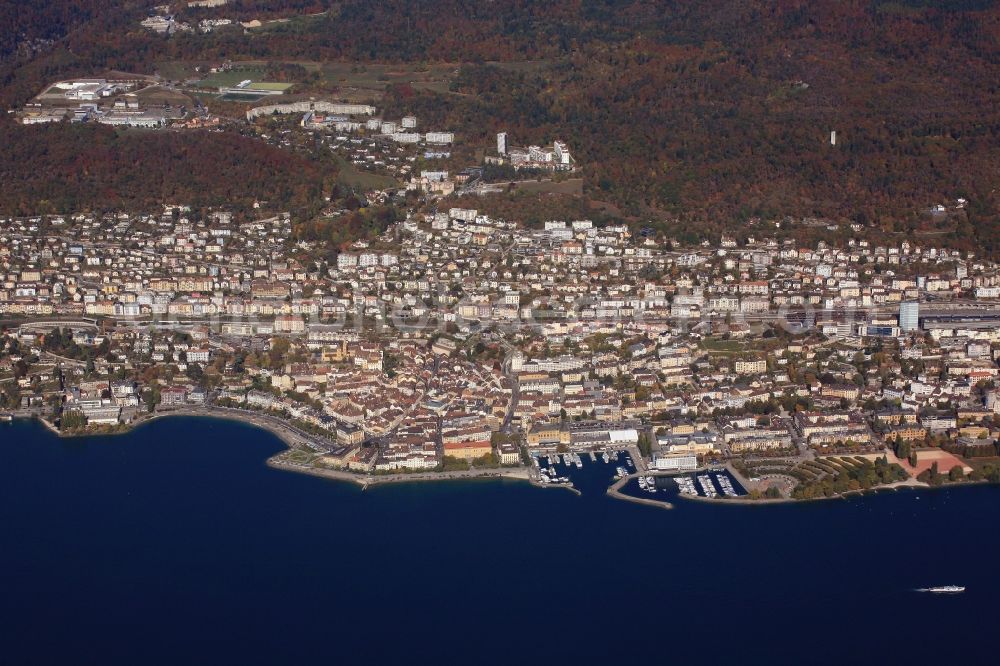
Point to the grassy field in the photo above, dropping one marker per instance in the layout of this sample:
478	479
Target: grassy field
156	95
300	456
717	346
723	346
379	77
241	98
176	70
570	186
359	82
353	177
292	23
439	87
270	85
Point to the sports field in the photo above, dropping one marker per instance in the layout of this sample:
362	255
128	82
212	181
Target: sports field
230	78
269	85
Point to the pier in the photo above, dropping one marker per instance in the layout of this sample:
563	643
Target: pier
564	486
615	491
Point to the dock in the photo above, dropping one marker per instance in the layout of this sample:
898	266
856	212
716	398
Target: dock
615	491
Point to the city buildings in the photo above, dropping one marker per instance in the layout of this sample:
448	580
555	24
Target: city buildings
460	337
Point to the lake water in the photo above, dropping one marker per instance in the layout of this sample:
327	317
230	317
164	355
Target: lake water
176	544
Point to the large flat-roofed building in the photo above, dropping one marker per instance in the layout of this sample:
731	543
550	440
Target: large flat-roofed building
439	137
675	463
618	434
319	106
133	119
41	117
98	412
405	137
85	90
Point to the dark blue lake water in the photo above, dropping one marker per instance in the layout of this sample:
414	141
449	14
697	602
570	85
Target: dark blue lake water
177	545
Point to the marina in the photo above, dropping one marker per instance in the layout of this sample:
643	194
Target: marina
648	484
598	470
706	485
710	484
588	471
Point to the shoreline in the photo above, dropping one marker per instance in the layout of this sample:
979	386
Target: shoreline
292	440
861	492
417	477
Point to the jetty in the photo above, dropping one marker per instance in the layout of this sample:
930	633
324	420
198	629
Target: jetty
614	490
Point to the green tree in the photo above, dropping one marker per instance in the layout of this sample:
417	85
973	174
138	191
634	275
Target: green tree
71	420
645	445
152	398
934	475
903	448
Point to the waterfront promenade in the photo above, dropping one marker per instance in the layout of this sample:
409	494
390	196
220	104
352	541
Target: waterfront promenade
366	480
295	438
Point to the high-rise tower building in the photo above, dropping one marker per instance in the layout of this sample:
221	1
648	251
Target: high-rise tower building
909	316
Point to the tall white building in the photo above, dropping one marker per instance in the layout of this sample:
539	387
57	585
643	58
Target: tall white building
561	152
909	316
502	143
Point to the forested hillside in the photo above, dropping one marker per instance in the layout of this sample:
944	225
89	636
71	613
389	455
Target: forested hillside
67	168
704	113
